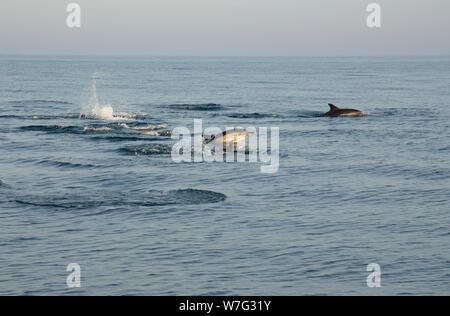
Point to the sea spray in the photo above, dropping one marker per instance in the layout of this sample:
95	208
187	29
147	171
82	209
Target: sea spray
94	110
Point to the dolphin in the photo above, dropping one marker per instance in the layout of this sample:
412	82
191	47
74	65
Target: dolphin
335	111
228	138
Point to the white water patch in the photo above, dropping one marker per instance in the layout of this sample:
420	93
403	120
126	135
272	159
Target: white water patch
96	111
152	133
96	129
103	112
145	128
164	133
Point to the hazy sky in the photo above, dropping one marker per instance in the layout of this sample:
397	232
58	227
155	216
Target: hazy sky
225	27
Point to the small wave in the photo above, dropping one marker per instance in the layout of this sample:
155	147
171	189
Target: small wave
96	129
67	129
18	91
144	128
116	139
357	75
196	107
40	117
51	128
63	164
127	116
22	117
58	202
10	117
312	115
192	196
156	133
20	102
305	114
253	115
94	200
148	150
149	130
410	112
20	240
388	112
293	114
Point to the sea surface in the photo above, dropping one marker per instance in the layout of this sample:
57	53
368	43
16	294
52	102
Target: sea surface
86	176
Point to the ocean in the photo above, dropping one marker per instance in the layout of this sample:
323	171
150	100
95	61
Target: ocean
87	177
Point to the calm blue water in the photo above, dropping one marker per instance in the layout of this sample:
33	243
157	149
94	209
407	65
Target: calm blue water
101	190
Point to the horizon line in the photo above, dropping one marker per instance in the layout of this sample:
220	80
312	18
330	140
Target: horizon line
224	56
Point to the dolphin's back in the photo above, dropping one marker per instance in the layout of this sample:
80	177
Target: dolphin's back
335	111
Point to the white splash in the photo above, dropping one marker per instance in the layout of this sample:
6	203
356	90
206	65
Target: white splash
95	110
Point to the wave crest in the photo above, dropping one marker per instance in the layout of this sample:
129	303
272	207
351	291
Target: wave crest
148	150
144	128
193	196
253	115
51	128
96	129
94	200
196	107
27	102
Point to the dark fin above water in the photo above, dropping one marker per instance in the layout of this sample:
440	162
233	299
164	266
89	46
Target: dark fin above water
333	107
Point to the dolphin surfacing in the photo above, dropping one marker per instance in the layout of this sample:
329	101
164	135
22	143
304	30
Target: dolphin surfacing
335	112
227	138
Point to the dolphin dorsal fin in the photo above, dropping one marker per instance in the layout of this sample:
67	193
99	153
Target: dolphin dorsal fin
333	107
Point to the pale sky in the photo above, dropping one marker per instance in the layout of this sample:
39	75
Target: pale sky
225	27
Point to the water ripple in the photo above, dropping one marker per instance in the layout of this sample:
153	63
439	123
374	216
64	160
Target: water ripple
151	198
196	107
